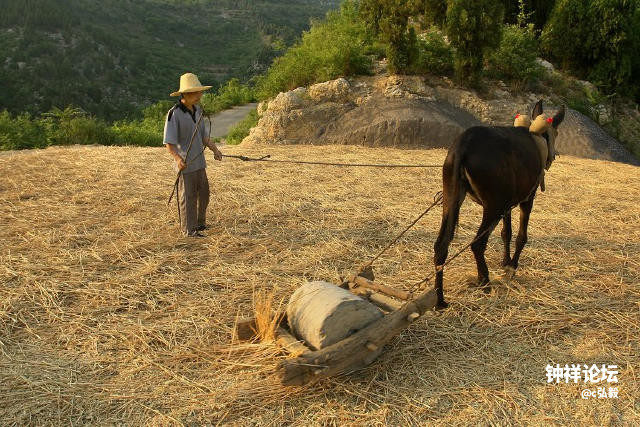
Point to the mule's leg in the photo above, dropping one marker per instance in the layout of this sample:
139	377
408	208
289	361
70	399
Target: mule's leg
489	222
440	253
454	191
506	238
521	240
450	211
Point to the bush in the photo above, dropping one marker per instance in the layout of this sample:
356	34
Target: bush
515	58
20	132
388	20
238	132
435	54
140	133
598	40
233	93
74	126
337	46
435	12
473	28
157	112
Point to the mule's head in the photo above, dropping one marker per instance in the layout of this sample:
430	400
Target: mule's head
552	131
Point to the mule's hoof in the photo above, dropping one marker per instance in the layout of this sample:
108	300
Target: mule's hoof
509	272
486	288
495	282
441	305
471	281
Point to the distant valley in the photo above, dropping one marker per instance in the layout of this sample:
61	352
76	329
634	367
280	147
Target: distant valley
112	58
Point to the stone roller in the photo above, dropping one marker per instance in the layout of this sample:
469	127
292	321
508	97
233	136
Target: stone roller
333	330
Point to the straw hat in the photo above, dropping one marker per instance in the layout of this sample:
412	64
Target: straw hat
189	83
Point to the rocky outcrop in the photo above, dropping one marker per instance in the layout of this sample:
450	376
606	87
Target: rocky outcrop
582	137
411	112
371	111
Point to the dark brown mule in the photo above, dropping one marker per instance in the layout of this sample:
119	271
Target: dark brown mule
500	168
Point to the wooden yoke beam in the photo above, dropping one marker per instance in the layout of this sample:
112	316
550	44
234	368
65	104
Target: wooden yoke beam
387	290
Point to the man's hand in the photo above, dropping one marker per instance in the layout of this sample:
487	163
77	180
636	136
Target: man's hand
181	163
174	153
217	154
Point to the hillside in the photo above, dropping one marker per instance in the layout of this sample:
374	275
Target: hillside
111	57
108	316
417	112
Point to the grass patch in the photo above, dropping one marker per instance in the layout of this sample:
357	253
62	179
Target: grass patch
241	130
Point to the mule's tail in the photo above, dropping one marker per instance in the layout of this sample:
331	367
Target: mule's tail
453	193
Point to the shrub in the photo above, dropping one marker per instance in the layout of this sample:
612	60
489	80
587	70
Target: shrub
388	20
473	28
515	57
139	133
337	46
20	132
233	93
157	112
598	40
74	126
435	54
238	132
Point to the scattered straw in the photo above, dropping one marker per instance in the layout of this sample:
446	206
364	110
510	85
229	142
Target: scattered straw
267	316
108	315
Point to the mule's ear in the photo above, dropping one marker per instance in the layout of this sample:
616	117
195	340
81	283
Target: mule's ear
537	110
558	118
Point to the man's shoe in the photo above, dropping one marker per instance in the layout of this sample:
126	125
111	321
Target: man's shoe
201	227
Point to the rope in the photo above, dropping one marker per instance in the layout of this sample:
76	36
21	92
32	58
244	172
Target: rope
441	267
437	199
175	185
186	157
303	162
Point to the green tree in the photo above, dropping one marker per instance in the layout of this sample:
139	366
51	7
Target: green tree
541	10
473	28
515	57
337	46
436	55
389	20
597	40
433	11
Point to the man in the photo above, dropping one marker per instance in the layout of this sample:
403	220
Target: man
186	144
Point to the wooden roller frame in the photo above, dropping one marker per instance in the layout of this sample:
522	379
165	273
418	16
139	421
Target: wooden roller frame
357	350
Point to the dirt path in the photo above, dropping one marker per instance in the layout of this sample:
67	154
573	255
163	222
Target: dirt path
224	120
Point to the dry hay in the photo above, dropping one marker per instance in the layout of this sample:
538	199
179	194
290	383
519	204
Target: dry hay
107	315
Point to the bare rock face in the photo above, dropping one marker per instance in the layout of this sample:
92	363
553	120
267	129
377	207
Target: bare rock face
411	112
579	136
546	64
377	111
321	314
287	101
333	91
399	122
